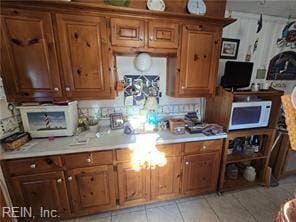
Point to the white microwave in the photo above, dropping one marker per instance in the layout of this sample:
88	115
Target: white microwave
253	114
50	120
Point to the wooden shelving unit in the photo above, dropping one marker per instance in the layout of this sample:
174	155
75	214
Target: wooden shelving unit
238	157
221	115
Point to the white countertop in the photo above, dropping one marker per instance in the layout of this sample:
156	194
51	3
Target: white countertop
116	139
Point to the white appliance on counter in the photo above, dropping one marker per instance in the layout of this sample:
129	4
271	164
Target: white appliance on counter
50	120
252	114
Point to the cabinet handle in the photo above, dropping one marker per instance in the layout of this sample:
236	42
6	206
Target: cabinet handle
16	41
33	166
67	89
70	178
151	38
59	180
56	89
88	160
183	87
187	162
141	38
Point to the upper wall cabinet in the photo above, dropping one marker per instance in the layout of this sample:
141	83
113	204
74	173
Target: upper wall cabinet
85	56
131	33
28	55
197	63
127	32
163	34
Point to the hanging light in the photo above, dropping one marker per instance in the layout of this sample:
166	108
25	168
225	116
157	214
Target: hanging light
143	62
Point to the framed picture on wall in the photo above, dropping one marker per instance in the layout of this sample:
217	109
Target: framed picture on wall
229	48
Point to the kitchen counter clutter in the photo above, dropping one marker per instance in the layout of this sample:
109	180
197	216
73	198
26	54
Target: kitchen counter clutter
114	140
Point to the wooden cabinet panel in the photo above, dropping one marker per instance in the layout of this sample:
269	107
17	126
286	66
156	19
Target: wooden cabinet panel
34	165
47	190
165	181
91	189
127	32
163	34
198	61
170	149
29	60
200	173
85	56
203	146
78	160
134	186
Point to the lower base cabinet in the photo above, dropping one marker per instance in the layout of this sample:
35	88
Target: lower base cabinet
87	183
200	173
165	181
46	190
91	189
133	186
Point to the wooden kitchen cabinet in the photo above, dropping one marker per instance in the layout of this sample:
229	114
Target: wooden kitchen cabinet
91	189
47	190
28	55
200	173
85	56
197	64
165	181
163	34
133	186
127	32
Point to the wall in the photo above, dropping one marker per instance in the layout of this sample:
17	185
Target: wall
8	124
168	105
245	30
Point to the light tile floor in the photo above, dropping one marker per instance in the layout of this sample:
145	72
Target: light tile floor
257	204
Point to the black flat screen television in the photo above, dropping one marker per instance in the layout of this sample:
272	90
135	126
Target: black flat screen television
237	74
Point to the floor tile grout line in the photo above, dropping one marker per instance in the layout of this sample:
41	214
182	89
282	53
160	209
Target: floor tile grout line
212	209
180	211
243	206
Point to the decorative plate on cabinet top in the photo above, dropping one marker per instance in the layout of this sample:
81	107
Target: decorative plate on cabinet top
197	7
156	5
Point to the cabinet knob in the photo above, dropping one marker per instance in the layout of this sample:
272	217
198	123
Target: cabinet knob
59	180
56	89
183	87
204	147
187	162
141	38
70	178
151	38
88	160
67	89
33	166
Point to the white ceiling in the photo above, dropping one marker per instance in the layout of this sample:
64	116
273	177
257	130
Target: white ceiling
279	8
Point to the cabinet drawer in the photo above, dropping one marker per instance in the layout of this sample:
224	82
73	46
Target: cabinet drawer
127	32
163	35
123	154
170	149
88	159
203	146
33	165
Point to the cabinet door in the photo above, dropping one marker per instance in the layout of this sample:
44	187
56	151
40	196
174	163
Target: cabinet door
200	173
91	189
85	56
47	190
127	32
163	35
29	60
165	181
134	186
198	61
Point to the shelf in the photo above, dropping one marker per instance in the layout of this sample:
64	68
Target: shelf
241	182
239	157
250	132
